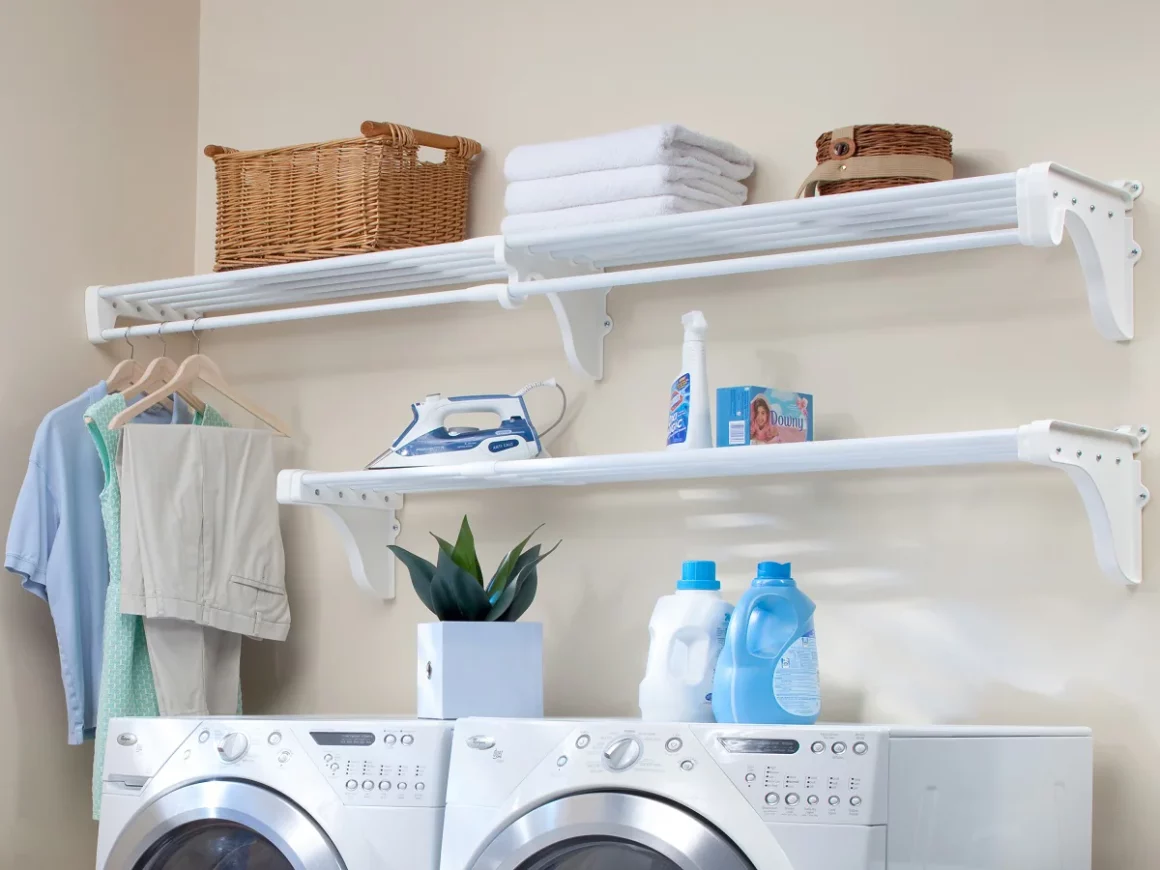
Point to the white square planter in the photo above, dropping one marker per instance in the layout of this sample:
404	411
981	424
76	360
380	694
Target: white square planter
481	669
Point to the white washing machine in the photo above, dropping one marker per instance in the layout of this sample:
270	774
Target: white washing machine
273	794
631	795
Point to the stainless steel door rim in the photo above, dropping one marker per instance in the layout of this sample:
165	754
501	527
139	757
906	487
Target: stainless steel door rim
291	831
613	817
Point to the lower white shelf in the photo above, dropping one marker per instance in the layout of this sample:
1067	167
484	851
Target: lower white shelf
1100	462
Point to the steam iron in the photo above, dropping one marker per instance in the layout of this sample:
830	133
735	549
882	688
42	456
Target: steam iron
429	441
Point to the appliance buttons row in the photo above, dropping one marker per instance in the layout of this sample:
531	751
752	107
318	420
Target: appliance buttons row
838	748
406	739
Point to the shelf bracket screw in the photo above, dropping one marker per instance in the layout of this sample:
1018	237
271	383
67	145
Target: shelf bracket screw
1055	194
1078	454
1074	200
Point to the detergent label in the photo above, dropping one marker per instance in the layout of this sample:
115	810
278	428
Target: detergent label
679	410
795	682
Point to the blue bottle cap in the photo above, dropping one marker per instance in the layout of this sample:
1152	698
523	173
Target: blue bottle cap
699	575
773	574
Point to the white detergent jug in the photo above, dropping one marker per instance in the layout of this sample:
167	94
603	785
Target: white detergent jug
686	633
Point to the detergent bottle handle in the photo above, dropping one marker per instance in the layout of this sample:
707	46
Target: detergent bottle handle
741	618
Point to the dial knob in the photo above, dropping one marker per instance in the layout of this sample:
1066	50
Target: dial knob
623	753
233	747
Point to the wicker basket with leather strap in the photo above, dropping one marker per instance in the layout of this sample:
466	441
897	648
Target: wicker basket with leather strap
873	156
349	196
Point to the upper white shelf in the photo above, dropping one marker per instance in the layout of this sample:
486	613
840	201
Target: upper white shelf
1032	206
1100	462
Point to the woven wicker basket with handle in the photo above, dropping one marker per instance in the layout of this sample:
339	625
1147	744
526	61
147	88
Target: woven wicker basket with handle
873	156
349	196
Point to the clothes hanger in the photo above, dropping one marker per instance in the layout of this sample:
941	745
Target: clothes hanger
157	373
126	372
199	367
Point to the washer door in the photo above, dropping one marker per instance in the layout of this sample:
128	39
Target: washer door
222	825
610	831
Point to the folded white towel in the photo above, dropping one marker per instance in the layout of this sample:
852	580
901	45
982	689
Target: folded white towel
625	209
612	185
667	144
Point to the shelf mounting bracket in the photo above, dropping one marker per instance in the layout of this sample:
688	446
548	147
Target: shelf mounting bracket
102	313
1103	466
1098	217
582	315
367	522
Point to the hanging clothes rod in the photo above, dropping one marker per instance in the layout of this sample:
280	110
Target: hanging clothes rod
512	294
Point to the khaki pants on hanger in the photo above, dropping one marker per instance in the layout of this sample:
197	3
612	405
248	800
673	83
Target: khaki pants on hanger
196	669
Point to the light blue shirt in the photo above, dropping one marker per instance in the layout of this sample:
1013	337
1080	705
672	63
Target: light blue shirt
56	544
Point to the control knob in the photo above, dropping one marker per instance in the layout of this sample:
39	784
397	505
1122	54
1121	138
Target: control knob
622	753
233	747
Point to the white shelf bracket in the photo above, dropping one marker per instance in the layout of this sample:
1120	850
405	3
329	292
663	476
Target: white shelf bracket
102	313
1103	466
1098	218
582	315
367	522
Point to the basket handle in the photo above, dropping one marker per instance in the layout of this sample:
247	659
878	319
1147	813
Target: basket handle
456	144
218	150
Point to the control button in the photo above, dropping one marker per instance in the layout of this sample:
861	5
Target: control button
582	741
390	740
233	746
351	785
334	767
791	799
328	758
407	740
674	744
283	756
687	764
187	754
855	801
402	786
623	753
420	786
860	748
384	786
835	800
838	748
772	798
750	777
479	741
368	785
275	738
812	799
561	761
202	737
817	746
127	739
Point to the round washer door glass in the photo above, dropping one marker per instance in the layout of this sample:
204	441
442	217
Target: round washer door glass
214	845
599	855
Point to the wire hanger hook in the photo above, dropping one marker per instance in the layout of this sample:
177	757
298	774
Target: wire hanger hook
196	336
161	335
132	350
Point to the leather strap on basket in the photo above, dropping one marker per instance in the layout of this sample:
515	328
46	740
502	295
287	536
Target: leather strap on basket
844	164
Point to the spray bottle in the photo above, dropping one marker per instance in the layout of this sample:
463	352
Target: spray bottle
689	425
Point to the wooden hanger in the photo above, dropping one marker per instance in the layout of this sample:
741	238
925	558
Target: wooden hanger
156	375
124	374
199	368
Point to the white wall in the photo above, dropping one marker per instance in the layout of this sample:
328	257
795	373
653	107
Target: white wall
956	596
99	99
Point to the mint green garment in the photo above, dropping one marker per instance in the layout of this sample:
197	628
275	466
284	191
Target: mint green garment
126	675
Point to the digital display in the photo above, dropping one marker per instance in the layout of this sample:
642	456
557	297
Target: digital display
760	747
343	738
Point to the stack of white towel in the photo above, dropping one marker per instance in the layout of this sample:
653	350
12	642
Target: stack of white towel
662	169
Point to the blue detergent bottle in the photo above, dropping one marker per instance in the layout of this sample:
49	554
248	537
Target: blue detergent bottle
768	670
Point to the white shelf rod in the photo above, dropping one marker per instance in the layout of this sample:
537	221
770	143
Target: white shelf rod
517	291
1101	463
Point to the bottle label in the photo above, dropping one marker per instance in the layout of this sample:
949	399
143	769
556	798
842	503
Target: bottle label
795	682
679	410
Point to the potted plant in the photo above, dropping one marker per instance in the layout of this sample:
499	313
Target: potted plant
478	660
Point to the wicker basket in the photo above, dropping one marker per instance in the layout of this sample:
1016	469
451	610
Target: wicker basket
873	156
330	199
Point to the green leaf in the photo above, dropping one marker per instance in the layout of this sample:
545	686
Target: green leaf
508	595
463	552
524	575
507	567
462	591
421	573
524	598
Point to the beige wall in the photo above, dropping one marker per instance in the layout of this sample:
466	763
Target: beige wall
99	99
942	597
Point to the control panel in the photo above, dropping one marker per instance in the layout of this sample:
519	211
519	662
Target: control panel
820	774
383	766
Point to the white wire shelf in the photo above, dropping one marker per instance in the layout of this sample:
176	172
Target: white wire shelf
1035	207
1102	463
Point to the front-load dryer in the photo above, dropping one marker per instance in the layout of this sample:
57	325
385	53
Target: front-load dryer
631	795
250	793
